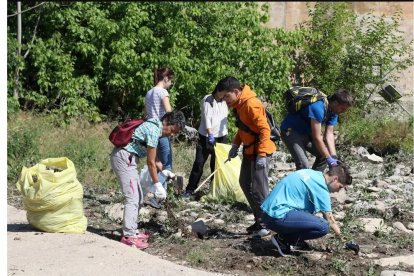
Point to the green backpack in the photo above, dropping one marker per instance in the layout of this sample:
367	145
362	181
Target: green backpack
298	97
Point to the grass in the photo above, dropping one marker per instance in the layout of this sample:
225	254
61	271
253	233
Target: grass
200	255
381	134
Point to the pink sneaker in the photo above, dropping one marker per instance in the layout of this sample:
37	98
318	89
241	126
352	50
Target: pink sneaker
134	241
144	235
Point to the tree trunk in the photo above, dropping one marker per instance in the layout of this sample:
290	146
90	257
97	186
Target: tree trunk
19	47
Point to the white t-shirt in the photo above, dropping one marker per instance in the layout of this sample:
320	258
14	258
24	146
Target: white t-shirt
153	102
214	116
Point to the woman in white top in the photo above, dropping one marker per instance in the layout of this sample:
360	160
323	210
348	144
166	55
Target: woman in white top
157	103
213	128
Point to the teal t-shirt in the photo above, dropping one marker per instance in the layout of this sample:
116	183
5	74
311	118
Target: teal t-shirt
303	190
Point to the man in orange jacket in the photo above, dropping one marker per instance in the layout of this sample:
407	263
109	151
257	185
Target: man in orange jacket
257	149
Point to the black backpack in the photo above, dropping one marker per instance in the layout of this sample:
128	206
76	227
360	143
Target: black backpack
274	129
298	97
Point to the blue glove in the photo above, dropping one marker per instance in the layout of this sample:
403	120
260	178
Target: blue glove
233	151
211	139
332	162
260	162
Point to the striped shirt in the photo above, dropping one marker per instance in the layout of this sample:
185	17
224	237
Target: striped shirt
148	132
153	102
214	116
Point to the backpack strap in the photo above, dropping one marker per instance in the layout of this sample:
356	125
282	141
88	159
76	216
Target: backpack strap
245	128
143	143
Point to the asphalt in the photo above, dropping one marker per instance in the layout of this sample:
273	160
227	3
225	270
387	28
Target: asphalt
31	252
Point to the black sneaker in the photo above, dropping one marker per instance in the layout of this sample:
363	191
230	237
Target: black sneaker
301	246
282	246
187	195
253	228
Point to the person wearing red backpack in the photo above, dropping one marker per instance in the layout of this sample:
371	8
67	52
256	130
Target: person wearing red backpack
124	160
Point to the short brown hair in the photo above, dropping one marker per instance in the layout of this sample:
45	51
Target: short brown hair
342	172
342	96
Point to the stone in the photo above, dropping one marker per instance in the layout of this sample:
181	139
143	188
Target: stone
372	256
379	206
373	189
372	158
392	212
115	212
360	175
280	166
398	225
396	261
199	227
371	225
379	183
315	256
249	217
396	273
410	226
339	196
219	221
339	215
361	151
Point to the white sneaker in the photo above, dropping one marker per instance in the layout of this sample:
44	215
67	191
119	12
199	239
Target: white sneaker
260	233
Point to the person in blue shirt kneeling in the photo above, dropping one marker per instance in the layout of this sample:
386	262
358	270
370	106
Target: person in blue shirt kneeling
289	209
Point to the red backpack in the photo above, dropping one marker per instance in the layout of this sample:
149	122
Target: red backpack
121	135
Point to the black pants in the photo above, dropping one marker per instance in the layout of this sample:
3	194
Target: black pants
203	150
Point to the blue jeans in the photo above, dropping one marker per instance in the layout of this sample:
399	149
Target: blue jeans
164	153
297	226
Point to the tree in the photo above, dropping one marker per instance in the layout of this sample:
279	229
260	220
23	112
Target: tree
343	50
92	58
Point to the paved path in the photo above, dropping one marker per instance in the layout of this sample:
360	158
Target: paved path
32	253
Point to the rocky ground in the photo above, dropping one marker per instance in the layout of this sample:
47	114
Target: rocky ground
376	212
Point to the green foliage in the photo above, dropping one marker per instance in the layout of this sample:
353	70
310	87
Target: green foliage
91	58
357	53
382	135
22	149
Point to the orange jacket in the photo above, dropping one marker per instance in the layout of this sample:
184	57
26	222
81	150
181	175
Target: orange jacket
252	113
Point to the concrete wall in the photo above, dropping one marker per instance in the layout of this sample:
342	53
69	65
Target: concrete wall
289	14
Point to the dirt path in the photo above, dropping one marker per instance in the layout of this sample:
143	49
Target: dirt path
30	252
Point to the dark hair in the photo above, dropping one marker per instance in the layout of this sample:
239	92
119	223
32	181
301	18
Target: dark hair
174	117
342	172
161	73
228	84
342	96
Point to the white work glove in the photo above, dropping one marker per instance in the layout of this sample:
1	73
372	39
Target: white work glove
160	192
233	151
168	174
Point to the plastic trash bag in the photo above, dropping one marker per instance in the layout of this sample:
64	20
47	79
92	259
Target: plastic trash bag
225	185
146	182
52	196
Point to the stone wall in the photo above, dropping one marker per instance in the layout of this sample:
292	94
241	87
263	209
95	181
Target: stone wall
289	14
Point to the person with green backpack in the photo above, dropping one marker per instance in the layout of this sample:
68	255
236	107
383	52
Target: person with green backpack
301	129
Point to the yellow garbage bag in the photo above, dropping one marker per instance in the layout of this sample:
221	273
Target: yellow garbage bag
225	185
52	196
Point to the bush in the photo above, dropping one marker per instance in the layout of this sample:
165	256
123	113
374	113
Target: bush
379	134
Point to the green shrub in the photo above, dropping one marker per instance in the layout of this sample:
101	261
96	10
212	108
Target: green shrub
381	135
